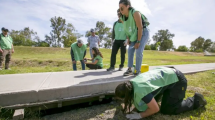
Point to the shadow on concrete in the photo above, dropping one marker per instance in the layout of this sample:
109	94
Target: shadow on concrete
94	73
108	79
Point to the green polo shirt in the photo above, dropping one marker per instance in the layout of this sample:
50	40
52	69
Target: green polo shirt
6	42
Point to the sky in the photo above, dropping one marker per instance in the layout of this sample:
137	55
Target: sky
187	19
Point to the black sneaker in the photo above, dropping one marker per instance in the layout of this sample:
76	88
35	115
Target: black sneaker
199	101
136	74
111	69
128	72
120	68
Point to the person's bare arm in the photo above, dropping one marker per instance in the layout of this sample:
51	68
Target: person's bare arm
95	62
12	48
138	21
152	109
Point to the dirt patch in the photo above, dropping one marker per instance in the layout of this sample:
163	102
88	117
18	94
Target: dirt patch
195	89
39	63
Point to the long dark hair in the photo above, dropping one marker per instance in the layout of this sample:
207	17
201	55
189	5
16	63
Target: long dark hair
97	52
125	91
126	2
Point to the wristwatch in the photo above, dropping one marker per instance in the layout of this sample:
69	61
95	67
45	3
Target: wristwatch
138	41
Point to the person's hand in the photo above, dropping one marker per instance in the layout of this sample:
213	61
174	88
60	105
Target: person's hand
1	50
133	116
137	45
128	42
125	43
13	51
74	62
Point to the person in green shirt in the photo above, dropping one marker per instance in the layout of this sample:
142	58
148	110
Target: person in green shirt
6	48
136	29
146	89
119	38
78	52
97	59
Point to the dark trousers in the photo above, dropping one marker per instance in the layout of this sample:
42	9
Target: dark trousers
116	45
93	66
173	102
6	54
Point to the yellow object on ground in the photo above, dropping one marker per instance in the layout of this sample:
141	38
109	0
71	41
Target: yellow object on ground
144	68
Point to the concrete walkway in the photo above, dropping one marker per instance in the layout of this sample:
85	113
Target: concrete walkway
35	88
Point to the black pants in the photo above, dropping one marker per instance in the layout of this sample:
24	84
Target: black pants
172	101
116	45
93	66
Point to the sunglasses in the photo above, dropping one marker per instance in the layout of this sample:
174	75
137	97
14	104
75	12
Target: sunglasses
121	9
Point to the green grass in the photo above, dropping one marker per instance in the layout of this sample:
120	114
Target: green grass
33	59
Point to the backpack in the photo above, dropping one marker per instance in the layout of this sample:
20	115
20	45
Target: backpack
145	21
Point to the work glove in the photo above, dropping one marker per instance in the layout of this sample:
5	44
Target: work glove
133	116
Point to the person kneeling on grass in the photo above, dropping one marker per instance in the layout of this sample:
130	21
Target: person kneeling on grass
78	52
97	60
145	90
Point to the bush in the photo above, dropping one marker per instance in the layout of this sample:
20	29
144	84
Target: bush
147	47
199	50
182	48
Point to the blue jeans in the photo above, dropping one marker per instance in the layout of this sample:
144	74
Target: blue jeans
91	53
139	51
82	65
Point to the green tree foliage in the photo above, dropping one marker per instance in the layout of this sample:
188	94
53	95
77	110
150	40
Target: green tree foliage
58	25
103	32
62	33
200	44
182	48
25	37
165	39
147	47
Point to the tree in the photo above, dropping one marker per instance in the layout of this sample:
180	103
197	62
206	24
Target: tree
25	37
182	48
58	25
165	39
62	33
103	32
70	36
207	44
212	48
147	47
200	44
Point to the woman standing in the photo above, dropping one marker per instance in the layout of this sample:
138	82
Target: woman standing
135	26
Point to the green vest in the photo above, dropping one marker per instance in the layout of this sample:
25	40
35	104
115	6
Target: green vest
130	27
150	81
78	51
100	61
6	42
119	31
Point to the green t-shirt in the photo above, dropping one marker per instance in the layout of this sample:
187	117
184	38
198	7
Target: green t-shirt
119	31
78	51
6	42
100	61
150	81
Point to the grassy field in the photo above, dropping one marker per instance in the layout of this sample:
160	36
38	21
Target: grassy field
32	59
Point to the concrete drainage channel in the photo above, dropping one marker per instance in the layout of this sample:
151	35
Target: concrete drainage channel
54	107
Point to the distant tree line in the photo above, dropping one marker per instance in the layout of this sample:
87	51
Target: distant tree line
64	34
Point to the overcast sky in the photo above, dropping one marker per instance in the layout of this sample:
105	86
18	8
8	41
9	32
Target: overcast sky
187	19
